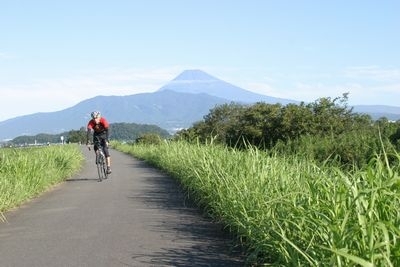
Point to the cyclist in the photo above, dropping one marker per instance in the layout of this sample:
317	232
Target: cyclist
99	126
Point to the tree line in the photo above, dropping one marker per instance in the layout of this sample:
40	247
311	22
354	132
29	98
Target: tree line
127	132
324	129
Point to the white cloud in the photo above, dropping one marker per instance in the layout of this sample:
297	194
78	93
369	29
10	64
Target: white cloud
359	94
310	92
368	85
263	88
57	94
373	73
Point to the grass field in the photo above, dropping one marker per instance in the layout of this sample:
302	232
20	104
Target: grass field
27	172
287	211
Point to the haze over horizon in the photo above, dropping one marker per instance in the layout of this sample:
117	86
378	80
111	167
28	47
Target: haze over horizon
56	54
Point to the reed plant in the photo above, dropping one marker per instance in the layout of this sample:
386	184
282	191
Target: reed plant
27	172
288	210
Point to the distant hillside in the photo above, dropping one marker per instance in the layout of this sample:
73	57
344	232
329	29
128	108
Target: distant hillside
379	111
167	109
118	131
123	131
180	103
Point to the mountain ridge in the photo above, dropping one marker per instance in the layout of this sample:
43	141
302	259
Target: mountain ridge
197	81
178	104
168	110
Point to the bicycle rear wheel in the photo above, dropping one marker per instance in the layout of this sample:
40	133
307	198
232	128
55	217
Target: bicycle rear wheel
105	170
100	167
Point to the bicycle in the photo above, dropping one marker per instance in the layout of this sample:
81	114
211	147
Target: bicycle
101	161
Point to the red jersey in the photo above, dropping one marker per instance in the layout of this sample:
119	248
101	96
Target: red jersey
100	127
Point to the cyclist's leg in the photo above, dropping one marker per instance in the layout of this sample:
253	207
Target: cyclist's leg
107	154
95	148
95	145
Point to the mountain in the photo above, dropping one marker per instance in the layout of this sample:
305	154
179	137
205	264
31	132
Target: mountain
167	109
379	111
197	81
181	102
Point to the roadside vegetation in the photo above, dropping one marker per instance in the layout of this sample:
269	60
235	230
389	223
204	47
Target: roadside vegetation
27	172
287	210
297	185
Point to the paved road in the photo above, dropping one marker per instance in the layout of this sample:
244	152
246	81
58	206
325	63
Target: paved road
138	217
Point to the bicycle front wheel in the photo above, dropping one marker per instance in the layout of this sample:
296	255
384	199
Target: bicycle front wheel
105	170
100	168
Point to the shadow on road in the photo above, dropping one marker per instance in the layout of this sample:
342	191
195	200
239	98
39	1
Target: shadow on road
81	179
211	245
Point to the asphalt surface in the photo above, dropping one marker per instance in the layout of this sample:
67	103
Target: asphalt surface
137	217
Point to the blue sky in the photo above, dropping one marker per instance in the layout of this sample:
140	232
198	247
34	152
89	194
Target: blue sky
54	54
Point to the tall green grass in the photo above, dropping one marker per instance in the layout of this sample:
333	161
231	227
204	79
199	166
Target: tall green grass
26	172
288	211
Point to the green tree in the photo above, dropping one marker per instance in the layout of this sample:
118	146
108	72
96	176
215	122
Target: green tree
219	122
75	136
149	138
331	116
131	131
259	125
193	134
395	137
296	121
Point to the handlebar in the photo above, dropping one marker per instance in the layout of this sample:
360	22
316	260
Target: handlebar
98	143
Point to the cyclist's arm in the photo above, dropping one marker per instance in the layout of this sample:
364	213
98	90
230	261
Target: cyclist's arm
106	128
88	133
107	134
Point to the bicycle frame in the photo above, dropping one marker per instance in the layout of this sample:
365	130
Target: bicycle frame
101	161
